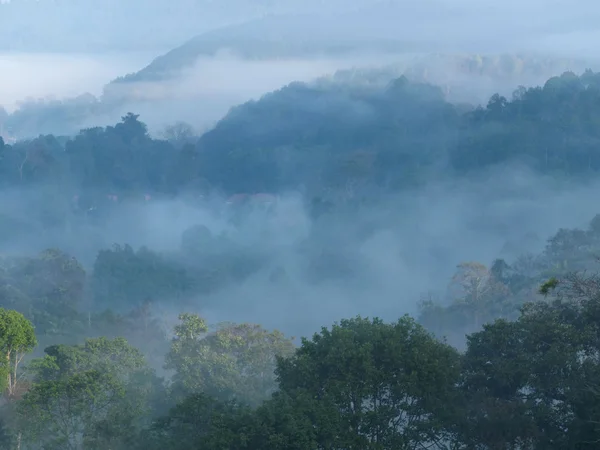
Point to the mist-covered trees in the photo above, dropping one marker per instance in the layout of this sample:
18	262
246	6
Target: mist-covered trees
233	362
363	383
532	382
341	137
85	396
525	376
367	384
478	294
17	338
48	289
124	276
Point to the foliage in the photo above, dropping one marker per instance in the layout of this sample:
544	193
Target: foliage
17	337
528	375
532	382
374	385
199	421
234	362
85	395
340	136
123	276
47	289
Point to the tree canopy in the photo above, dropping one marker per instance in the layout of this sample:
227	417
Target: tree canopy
504	355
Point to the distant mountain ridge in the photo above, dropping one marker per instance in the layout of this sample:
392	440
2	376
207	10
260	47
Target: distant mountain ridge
386	27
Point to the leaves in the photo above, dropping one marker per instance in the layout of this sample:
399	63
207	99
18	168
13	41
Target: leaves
17	337
79	392
232	362
373	385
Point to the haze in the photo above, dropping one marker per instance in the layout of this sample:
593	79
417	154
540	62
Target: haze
414	250
27	71
190	190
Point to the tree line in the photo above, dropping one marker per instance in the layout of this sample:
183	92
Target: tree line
88	363
530	383
328	137
526	376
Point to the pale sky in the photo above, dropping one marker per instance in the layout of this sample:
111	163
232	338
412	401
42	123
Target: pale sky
57	25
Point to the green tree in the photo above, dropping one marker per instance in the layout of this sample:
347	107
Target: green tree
200	421
236	361
179	134
125	277
480	291
86	396
17	338
48	289
366	384
530	384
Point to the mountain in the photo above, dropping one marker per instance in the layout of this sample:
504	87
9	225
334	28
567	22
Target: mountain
281	37
376	27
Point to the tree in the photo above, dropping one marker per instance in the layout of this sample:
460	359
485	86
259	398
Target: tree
478	289
17	337
92	395
234	362
179	134
200	421
131	128
366	384
125	277
531	383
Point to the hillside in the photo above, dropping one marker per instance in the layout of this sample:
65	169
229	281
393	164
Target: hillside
373	27
159	280
394	135
272	37
342	136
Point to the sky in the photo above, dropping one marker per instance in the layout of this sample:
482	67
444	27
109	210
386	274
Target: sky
141	25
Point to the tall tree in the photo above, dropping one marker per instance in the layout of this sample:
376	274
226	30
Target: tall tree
17	338
89	396
235	361
478	288
365	384
531	384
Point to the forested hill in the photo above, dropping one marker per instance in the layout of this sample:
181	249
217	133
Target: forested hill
164	86
331	136
398	135
130	351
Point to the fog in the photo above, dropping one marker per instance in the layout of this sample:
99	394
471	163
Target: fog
398	248
291	164
59	75
200	95
416	238
50	101
203	93
413	246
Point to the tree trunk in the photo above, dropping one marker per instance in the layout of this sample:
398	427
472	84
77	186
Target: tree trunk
14	380
9	376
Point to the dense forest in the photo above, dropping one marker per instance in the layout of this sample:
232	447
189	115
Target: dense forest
327	136
504	357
